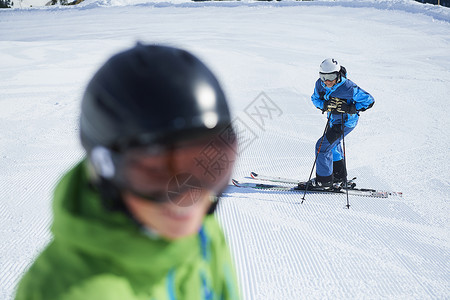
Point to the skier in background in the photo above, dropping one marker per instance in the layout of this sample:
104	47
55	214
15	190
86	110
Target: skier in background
134	220
342	100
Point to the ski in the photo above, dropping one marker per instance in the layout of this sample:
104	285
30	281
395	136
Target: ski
341	189
273	178
296	189
351	183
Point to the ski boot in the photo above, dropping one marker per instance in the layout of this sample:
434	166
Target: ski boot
339	183
315	184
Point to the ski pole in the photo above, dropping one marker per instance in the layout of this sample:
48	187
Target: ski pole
317	154
345	159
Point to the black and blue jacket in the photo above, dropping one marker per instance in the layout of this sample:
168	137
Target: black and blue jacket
347	90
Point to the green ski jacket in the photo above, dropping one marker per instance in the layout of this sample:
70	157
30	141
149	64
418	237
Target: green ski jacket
97	254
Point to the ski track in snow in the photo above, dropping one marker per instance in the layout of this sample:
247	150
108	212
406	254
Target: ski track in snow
394	248
286	248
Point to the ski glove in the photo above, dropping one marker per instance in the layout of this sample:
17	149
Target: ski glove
331	105
345	108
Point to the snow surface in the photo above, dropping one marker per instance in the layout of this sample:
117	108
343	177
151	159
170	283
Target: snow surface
266	56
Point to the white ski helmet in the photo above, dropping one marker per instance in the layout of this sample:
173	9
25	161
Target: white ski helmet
331	70
329	65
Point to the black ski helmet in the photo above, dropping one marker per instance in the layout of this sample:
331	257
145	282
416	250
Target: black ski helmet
151	94
148	95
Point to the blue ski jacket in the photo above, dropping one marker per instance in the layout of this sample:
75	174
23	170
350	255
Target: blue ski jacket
347	90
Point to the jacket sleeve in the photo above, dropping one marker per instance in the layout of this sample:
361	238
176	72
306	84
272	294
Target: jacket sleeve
363	100
316	97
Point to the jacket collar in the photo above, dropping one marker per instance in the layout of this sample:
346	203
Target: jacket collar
334	87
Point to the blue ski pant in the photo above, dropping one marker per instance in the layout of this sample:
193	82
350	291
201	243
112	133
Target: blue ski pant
330	149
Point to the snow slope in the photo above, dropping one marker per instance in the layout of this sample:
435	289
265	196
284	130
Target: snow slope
266	56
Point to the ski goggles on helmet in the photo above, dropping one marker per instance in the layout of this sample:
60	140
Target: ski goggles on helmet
181	172
328	76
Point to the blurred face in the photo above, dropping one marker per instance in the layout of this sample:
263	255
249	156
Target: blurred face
169	220
170	190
